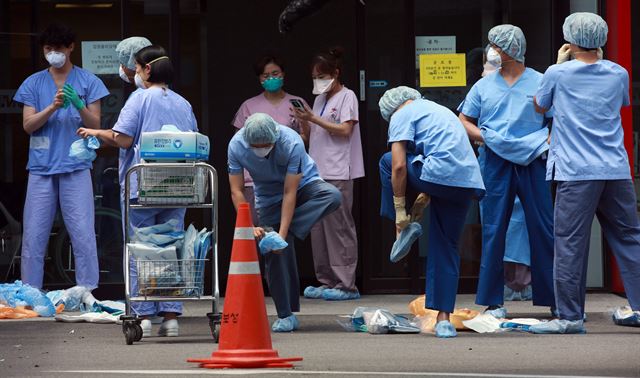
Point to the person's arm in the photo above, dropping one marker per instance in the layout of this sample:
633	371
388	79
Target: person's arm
539	109
305	131
399	182
236	183
291	183
90	115
471	126
341	129
33	121
110	137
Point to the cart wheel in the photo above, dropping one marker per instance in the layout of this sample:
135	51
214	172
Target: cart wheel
215	331
130	335
138	329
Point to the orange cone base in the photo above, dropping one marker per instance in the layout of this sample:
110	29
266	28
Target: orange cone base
245	359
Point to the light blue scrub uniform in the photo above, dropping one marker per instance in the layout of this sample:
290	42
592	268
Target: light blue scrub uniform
515	139
148	110
441	163
590	165
315	199
55	178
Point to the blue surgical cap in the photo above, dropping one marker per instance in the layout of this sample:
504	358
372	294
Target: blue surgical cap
127	48
587	30
395	97
510	39
260	128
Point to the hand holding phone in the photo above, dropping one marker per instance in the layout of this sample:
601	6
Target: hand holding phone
297	103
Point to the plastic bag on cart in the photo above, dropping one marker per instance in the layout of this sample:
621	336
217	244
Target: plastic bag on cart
188	254
159	234
157	267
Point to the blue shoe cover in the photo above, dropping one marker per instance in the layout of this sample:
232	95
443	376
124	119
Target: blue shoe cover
624	316
313	292
510	294
526	293
560	326
339	295
271	242
288	324
498	313
555	313
444	329
407	237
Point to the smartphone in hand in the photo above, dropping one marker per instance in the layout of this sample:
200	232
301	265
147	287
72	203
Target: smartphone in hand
297	103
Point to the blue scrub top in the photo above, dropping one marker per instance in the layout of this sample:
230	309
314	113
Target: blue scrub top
288	156
49	145
438	139
587	136
506	116
148	110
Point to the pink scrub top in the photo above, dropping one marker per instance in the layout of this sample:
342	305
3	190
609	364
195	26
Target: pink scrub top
281	113
337	157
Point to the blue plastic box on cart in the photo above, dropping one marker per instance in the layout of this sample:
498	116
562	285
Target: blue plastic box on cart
166	145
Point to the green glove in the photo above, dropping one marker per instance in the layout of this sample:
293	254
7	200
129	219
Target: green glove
71	95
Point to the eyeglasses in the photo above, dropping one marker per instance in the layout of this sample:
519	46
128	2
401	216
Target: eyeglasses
274	73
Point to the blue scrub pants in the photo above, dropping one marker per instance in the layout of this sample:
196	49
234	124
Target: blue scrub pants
74	192
448	211
614	202
144	218
503	180
314	201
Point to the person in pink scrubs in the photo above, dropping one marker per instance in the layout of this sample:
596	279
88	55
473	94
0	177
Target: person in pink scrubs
273	101
332	132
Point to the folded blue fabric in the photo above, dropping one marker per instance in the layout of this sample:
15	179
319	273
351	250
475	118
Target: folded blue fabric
444	329
339	295
560	326
288	324
271	242
520	150
402	245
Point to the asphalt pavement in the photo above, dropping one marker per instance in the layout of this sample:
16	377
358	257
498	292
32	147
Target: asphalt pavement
43	347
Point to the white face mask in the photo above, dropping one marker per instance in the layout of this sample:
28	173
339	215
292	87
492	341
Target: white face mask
56	59
321	86
262	151
493	57
139	82
123	75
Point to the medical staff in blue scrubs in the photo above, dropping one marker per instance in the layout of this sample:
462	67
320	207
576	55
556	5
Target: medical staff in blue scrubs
149	110
430	152
498	113
57	101
290	197
589	164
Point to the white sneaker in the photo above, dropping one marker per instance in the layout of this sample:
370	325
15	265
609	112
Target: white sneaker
169	328
146	327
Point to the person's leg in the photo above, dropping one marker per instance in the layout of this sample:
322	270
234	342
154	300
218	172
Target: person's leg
342	241
535	194
40	208
517	254
575	207
386	198
619	219
170	310
249	195
76	204
320	232
314	201
282	279
496	208
443	262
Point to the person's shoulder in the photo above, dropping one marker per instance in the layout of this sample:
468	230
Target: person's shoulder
236	140
614	67
85	74
346	92
36	76
533	73
253	100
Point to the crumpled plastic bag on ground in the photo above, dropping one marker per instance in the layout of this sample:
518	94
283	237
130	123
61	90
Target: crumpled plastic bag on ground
72	298
18	294
625	316
272	241
426	318
84	149
379	321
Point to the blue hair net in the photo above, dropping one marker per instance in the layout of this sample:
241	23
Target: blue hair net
587	30
260	128
510	39
395	97
127	48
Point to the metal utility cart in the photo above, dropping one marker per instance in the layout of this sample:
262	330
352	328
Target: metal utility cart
172	185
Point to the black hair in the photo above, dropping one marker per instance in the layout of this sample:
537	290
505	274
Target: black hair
57	35
329	62
161	69
260	64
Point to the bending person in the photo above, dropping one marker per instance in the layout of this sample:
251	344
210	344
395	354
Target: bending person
589	164
290	198
145	111
430	152
497	112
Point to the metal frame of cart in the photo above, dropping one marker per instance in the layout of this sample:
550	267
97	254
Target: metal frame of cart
170	194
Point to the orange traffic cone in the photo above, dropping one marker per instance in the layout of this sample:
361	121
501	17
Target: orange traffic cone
245	338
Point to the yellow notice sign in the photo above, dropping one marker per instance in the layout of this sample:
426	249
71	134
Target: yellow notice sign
443	70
